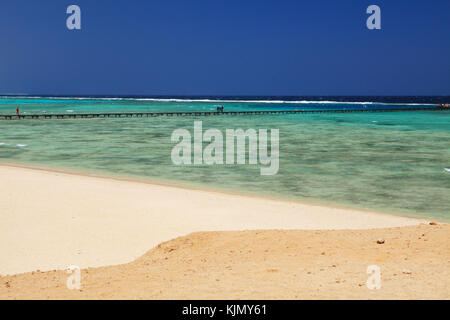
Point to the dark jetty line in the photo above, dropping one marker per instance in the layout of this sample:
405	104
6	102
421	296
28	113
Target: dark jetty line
206	113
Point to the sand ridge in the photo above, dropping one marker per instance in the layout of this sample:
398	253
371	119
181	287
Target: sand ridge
264	264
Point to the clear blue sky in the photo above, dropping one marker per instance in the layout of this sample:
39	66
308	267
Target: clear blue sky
230	47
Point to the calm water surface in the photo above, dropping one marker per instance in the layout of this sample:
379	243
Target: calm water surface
390	162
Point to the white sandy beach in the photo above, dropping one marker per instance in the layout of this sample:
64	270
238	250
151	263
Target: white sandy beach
50	220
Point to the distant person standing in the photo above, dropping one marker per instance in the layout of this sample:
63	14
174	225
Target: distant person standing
17	111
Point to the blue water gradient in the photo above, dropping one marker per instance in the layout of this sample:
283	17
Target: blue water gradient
392	162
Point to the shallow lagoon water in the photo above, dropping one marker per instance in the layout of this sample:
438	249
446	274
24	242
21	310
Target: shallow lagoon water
392	162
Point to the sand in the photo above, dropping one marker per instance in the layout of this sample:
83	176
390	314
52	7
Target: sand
50	220
297	264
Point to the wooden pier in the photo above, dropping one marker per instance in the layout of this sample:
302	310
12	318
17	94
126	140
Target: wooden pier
206	113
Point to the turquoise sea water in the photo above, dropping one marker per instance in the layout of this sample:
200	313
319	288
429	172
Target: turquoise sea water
392	162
